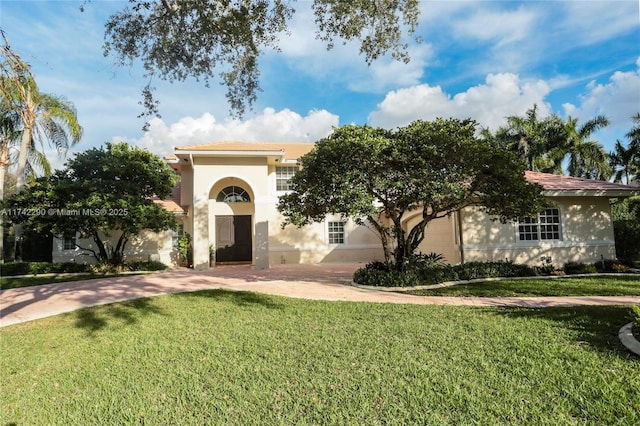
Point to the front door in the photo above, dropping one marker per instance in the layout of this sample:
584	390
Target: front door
233	239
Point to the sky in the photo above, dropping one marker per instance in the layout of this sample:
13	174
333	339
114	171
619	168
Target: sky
480	59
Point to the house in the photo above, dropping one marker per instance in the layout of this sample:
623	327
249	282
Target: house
229	191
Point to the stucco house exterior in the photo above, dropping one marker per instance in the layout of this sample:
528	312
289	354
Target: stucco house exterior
227	199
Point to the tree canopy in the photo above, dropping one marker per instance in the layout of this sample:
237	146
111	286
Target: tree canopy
378	177
100	193
178	39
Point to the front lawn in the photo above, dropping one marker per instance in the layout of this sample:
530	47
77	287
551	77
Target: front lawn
220	357
597	285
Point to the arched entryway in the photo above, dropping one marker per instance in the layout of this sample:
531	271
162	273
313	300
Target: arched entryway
231	211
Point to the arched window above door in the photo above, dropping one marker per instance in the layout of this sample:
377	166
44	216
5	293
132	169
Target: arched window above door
233	194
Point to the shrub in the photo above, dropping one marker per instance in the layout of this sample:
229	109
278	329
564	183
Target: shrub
35	268
635	313
610	265
388	278
430	259
579	268
150	265
627	235
379	274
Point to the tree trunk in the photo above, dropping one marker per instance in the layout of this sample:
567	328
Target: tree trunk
28	121
4	165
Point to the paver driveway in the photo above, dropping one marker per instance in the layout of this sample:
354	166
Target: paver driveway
329	281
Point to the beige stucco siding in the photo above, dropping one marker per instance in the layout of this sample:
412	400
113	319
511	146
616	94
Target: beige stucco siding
440	237
147	245
587	235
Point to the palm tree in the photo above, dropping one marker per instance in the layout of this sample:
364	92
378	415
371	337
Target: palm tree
44	118
534	139
624	162
587	158
634	133
39	117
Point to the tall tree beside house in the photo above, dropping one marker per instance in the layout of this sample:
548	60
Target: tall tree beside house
625	161
586	158
378	177
40	118
104	194
179	39
534	139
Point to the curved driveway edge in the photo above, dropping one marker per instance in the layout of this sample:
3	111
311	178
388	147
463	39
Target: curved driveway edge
319	282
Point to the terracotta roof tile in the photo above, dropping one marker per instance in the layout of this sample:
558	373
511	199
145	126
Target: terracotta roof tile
172	202
551	182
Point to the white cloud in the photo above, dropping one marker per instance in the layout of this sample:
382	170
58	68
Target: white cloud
618	99
595	21
269	126
502	95
344	64
504	27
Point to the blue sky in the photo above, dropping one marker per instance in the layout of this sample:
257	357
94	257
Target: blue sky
480	59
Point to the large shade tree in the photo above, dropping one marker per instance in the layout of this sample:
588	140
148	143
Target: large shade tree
178	39
105	194
378	177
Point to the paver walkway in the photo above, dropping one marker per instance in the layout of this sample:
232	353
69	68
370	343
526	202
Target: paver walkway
320	282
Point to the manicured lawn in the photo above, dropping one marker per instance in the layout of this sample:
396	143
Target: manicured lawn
587	286
219	357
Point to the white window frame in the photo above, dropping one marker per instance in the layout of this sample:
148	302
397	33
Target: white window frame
71	240
283	178
336	236
538	227
175	236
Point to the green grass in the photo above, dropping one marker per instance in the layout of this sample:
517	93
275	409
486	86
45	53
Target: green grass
584	286
219	357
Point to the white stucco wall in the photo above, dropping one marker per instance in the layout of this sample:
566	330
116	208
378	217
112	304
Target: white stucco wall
587	234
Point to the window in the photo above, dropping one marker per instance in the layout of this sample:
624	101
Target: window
233	194
283	177
336	232
544	227
175	237
69	243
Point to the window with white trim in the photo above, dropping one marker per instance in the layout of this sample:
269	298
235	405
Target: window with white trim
283	177
233	194
69	243
546	226
335	232
175	236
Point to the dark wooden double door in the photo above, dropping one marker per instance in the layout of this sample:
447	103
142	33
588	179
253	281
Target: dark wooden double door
233	239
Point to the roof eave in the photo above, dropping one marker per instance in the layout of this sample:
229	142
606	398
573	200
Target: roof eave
610	193
211	153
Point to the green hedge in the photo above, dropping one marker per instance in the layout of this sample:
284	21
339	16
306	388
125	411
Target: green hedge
36	268
375	274
150	265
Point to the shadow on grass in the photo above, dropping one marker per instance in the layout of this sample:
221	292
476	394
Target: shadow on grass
119	314
238	298
595	326
123	314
